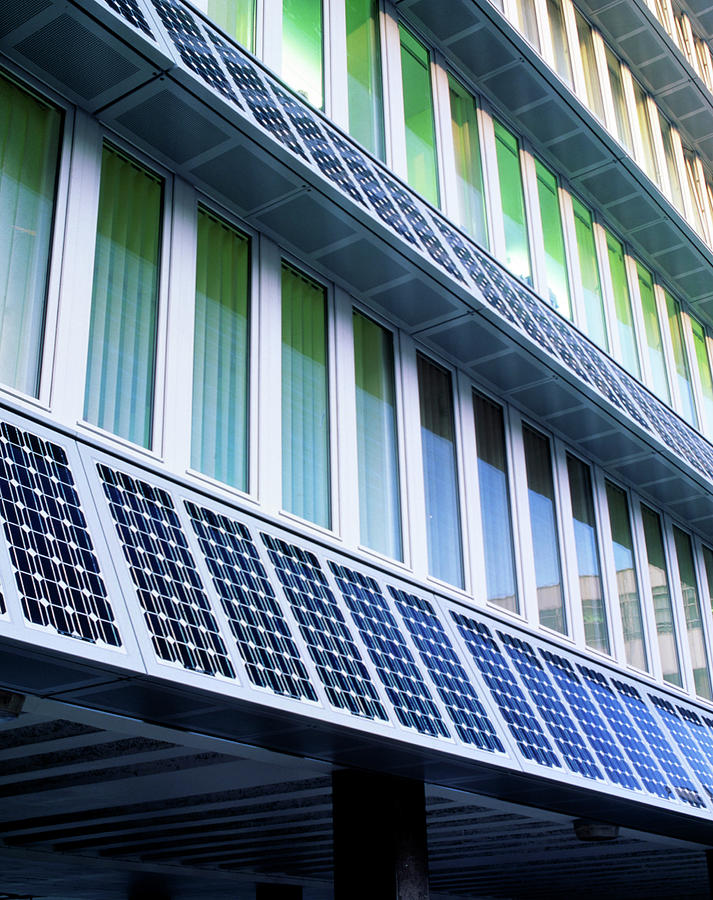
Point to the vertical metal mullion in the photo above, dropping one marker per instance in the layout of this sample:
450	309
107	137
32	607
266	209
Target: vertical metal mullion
627	80
345	479
570	564
523	536
579	85
666	340
600	60
271	28
608	567
336	97
632	280
544	33
693	372
602	260
533	221
445	158
658	148
415	522
396	156
570	238
647	601
491	178
473	541
679	615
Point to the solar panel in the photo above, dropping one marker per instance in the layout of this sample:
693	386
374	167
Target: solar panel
321	622
591	723
131	11
455	689
177	612
500	680
687	743
549	704
51	551
698	728
656	740
263	637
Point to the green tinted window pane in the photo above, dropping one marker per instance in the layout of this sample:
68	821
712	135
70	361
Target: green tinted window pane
366	108
617	89
671	166
560	44
305	403
627	586
663	611
122	332
440	474
589	64
469	171
683	375
235	17
555	259
29	148
379	506
591	591
517	248
543	525
692	610
302	53
647	140
418	118
704	372
653	334
219	436
589	271
622	306
527	21
495	513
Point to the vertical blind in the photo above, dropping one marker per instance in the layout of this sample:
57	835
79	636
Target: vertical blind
122	333
219	435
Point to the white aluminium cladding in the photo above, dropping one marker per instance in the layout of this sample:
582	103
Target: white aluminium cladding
231	604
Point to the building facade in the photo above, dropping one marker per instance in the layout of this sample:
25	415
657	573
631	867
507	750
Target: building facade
356	408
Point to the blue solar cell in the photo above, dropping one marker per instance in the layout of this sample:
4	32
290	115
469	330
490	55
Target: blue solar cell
176	609
263	636
687	743
501	682
656	740
591	723
389	653
700	727
548	703
56	569
455	689
322	626
131	11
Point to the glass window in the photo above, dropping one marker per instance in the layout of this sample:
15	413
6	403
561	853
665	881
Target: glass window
418	117
560	44
219	437
708	561
29	150
527	21
626	582
555	258
543	525
122	331
517	248
377	446
440	475
647	139
495	512
653	334
366	106
683	375
622	306
661	595
591	590
671	166
595	323
305	402
623	129
469	170
694	188
692	610
700	346
302	53
589	64
235	17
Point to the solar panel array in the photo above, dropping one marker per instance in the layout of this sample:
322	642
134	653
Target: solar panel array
240	81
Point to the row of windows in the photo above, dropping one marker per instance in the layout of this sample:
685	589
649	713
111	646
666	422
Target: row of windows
286	374
680	29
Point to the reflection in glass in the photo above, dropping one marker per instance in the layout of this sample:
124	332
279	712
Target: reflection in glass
700	346
560	44
661	595
555	259
589	64
235	17
302	53
595	324
623	129
366	113
527	21
517	248
418	117
622	306
671	165
469	170
692	610
657	361
647	140
683	375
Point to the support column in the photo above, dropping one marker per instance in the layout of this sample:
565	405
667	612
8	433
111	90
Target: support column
278	892
380	845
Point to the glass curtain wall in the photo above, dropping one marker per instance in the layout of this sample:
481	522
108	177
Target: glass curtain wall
365	97
305	399
517	247
302	49
219	434
683	375
692	611
377	444
555	257
469	169
495	513
29	151
595	322
657	361
122	332
622	306
700	346
422	165
235	17
440	474
627	584
543	525
661	596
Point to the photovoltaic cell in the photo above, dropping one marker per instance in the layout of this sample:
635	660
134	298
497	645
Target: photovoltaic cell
324	630
56	569
455	689
176	609
506	692
687	743
656	740
698	728
389	653
550	706
263	636
591	723
131	11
